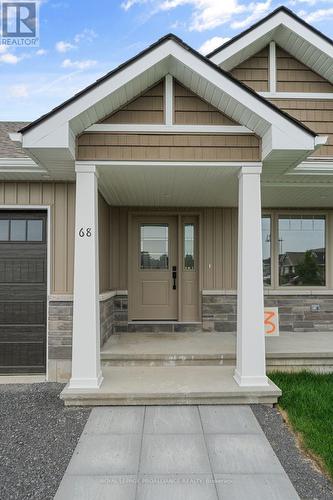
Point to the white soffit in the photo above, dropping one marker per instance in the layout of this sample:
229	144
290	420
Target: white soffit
291	34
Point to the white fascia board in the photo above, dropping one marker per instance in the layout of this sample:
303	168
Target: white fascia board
248	39
54	131
281	18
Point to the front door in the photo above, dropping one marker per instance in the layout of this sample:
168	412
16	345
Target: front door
154	260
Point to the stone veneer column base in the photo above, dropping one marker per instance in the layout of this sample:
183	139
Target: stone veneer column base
113	313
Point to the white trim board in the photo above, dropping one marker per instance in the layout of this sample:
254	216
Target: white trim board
168	100
296	95
272	67
169	129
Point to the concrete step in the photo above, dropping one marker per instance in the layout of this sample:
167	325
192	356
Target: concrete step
144	385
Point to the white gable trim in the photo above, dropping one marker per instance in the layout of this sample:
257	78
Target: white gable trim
268	31
57	131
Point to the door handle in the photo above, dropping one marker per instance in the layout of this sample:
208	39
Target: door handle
174	277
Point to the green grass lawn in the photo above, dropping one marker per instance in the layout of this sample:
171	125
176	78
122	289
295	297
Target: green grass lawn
307	398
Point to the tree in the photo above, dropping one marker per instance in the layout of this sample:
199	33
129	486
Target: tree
308	272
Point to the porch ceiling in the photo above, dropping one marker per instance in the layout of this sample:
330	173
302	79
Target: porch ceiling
163	185
205	185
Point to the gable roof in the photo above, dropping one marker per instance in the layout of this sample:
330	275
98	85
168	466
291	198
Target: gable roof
143	53
290	32
282	8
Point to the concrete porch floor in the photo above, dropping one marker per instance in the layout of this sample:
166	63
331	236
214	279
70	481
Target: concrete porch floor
293	351
194	368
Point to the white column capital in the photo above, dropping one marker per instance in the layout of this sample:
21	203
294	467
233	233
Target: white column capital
82	167
247	170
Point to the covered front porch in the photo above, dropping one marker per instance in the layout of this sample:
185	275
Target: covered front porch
245	379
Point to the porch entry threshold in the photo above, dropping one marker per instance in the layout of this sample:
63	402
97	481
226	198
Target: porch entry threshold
177	385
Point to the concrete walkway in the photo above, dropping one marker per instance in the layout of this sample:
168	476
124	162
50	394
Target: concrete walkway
174	452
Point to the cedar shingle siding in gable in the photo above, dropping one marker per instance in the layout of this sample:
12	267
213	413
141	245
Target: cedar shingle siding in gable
190	109
168	147
147	108
254	71
294	76
315	114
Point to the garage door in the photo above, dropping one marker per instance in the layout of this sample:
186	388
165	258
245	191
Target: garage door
23	292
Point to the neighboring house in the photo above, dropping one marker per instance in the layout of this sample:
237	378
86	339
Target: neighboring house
142	195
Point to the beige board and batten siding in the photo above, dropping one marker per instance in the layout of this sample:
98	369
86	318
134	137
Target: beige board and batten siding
104	244
294	76
254	71
168	147
218	235
60	197
146	108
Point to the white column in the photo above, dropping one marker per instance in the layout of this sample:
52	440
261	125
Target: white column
86	365
250	362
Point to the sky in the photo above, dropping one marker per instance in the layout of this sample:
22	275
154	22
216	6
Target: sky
81	40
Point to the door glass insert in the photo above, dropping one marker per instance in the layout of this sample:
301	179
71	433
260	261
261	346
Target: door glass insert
17	230
154	246
4	230
35	230
188	247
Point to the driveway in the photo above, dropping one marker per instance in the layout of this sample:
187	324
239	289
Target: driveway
164	452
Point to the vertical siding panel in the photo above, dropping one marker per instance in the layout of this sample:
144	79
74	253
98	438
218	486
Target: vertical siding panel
60	238
48	199
70	236
123	239
115	248
10	193
209	257
104	244
2	193
23	197
226	248
35	193
234	248
219	277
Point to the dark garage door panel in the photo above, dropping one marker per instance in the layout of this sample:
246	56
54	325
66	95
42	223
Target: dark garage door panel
23	306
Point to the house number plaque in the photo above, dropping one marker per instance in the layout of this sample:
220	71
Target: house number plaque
85	232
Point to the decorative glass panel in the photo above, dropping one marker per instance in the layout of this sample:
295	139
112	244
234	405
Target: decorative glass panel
35	230
18	230
302	251
4	230
189	247
266	250
154	246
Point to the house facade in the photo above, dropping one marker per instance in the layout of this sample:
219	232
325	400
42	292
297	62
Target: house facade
177	193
